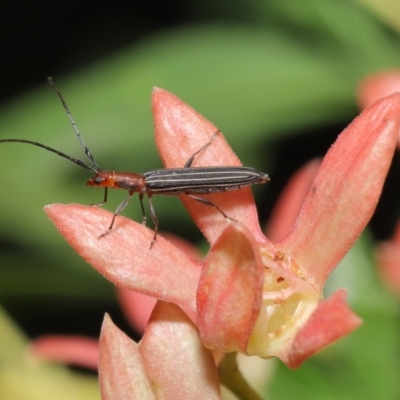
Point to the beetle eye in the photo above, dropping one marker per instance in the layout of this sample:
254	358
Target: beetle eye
98	180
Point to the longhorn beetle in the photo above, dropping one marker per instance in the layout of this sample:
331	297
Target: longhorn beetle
169	181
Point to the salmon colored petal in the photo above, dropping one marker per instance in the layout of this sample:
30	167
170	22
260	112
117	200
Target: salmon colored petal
138	307
181	131
377	86
75	350
184	245
290	201
178	365
330	321
124	257
121	371
345	190
169	363
230	291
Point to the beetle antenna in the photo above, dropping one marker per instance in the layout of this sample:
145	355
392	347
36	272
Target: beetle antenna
79	136
60	153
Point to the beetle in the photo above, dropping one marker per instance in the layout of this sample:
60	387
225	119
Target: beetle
188	180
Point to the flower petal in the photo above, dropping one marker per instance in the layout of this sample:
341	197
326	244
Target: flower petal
377	86
76	350
180	132
175	360
345	190
138	307
124	257
289	203
170	362
121	371
230	291
330	321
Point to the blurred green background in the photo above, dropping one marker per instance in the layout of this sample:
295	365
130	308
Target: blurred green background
279	78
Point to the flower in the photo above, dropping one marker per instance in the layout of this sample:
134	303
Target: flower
250	294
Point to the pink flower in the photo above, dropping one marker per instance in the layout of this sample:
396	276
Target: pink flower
250	294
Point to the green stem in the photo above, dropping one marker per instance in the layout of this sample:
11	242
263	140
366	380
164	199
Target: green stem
232	378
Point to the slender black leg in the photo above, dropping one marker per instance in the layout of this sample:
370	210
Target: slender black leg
155	221
191	159
143	212
117	212
211	204
104	199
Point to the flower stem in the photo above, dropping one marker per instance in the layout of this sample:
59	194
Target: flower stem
232	378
